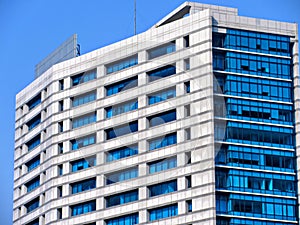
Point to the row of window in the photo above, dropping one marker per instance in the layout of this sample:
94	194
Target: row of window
254	111
256	135
238	221
253	41
256	158
257	206
257	182
250	64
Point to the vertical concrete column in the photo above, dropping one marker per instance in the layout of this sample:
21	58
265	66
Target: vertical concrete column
181	183
143	193
67	103
143	216
100	158
101	136
66	212
100	114
142	169
179	43
182	209
101	71
143	124
67	146
180	90
100	180
142	56
100	203
67	82
66	190
181	159
142	79
66	168
180	136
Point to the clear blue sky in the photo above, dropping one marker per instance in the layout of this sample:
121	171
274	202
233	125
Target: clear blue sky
31	29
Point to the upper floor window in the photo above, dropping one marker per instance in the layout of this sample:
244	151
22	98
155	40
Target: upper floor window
32	205
33	184
83	77
84	185
83	163
162	95
83	99
162	50
34	142
122	64
35	162
121	108
34	102
162	118
162	72
163	212
121	130
163	141
121	153
122	198
83	208
122	175
162	188
121	86
162	164
34	122
84	120
83	141
130	219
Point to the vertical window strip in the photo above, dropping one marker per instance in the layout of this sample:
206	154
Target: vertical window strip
122	176
83	163
84	120
163	141
163	212
163	188
162	50
121	108
162	165
121	153
122	198
83	99
122	64
83	141
83	208
83	77
162	96
84	185
121	86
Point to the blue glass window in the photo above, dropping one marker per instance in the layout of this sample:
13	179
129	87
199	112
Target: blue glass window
260	135
34	102
253	41
121	86
34	122
34	142
122	175
258	111
258	88
83	141
83	77
34	222
121	153
236	221
161	72
35	162
256	158
84	120
32	205
84	185
33	184
121	108
122	64
189	206
162	188
83	99
162	95
163	141
122	198
162	118
83	163
83	208
121	130
130	219
163	164
187	86
162	50
163	212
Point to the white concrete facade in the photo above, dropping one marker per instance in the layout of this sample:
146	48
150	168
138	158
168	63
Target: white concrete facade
199	25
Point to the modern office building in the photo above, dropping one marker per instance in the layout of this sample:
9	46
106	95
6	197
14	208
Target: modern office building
195	121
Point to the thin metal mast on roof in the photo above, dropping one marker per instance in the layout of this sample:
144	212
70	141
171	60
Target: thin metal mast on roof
134	17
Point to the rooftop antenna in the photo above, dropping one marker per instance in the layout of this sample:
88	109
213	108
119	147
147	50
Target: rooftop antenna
134	17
